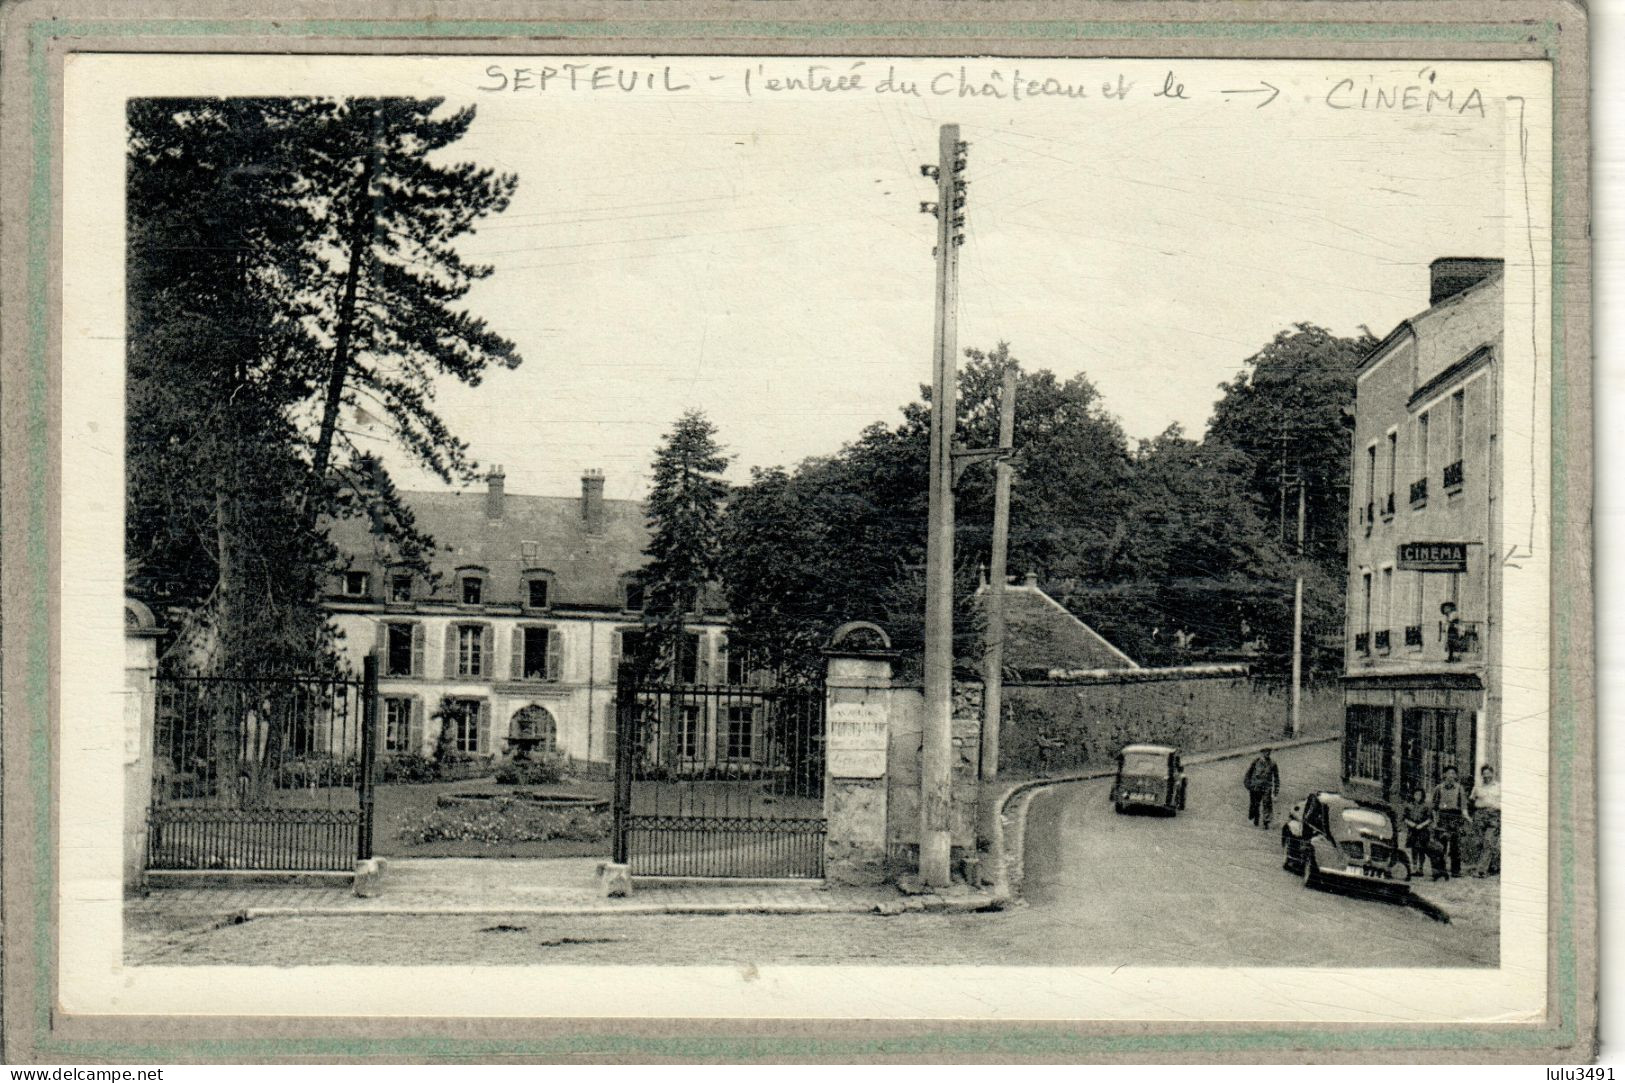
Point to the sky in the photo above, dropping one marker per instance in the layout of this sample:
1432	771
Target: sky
761	255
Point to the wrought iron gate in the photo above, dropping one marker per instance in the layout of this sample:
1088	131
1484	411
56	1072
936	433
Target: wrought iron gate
263	772
719	780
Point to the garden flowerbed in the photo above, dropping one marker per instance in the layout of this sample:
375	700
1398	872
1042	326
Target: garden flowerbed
411	821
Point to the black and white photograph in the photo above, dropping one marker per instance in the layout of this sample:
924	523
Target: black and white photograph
804	526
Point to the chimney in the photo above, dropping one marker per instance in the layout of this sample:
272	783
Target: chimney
496	485
1031	581
1454	274
592	501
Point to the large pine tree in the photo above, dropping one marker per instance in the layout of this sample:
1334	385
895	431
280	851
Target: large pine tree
685	509
288	259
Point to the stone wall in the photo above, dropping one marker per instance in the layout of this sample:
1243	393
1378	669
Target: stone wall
1058	726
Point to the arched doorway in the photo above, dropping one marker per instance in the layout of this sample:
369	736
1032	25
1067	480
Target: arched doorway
532	730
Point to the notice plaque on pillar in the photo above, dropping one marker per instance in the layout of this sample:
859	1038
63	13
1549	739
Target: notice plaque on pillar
857	739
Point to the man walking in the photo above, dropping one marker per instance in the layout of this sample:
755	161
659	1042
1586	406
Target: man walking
1449	802
1263	783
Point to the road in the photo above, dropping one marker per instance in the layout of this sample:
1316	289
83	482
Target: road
1202	889
1206	887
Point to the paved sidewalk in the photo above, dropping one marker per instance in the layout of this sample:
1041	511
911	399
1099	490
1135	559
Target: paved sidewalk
551	886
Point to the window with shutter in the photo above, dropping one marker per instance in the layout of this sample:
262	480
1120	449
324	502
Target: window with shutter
555	654
418	650
400	641
414	741
484	723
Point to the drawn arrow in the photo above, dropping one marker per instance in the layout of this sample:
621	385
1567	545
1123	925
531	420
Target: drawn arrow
1515	552
1273	91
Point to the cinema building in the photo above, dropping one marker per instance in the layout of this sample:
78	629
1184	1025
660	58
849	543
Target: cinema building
1422	672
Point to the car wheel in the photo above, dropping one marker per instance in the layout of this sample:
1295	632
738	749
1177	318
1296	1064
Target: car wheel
1311	874
1117	807
1182	789
1400	871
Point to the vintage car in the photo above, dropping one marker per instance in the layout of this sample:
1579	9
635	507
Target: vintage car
1149	776
1330	838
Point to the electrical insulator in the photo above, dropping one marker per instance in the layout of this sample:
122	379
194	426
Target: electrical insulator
961	147
959	184
928	208
959	165
959	239
959	221
959	203
930	171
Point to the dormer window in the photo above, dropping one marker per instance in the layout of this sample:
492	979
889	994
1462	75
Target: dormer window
536	593
355	584
632	594
400	587
473	589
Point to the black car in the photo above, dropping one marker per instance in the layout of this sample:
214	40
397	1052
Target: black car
1332	838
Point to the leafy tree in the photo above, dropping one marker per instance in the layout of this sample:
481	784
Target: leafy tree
1289	413
1071	466
288	258
685	524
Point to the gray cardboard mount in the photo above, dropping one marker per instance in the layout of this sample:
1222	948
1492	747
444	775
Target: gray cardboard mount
38	34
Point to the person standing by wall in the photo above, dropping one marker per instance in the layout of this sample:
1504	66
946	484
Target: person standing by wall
1487	819
1449	802
1263	783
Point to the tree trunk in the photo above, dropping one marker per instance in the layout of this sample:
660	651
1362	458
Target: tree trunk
360	237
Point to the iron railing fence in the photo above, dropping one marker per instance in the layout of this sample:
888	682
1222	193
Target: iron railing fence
265	772
719	780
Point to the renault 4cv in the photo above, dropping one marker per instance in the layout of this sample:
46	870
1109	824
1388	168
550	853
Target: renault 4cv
1149	776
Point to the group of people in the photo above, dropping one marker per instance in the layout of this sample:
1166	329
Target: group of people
1436	821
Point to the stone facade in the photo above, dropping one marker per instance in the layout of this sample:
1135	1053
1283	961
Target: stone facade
522	618
1422	647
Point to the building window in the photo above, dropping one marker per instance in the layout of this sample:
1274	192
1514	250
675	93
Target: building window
688	731
628	649
539	654
1370	486
632	595
1365	621
473	588
400	645
1458	425
463	715
536	593
1387	607
1413	631
741	664
470	650
689	669
398	724
1393	473
1422	442
355	584
400	587
1365	741
741	733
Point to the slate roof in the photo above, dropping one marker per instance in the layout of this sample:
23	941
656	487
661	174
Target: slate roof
588	568
1042	634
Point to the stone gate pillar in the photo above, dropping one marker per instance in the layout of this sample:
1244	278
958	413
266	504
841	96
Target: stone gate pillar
858	698
141	633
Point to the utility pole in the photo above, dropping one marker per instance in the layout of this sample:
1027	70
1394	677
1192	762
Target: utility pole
936	757
1297	620
993	660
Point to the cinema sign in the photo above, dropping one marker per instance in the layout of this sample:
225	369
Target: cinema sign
1433	556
